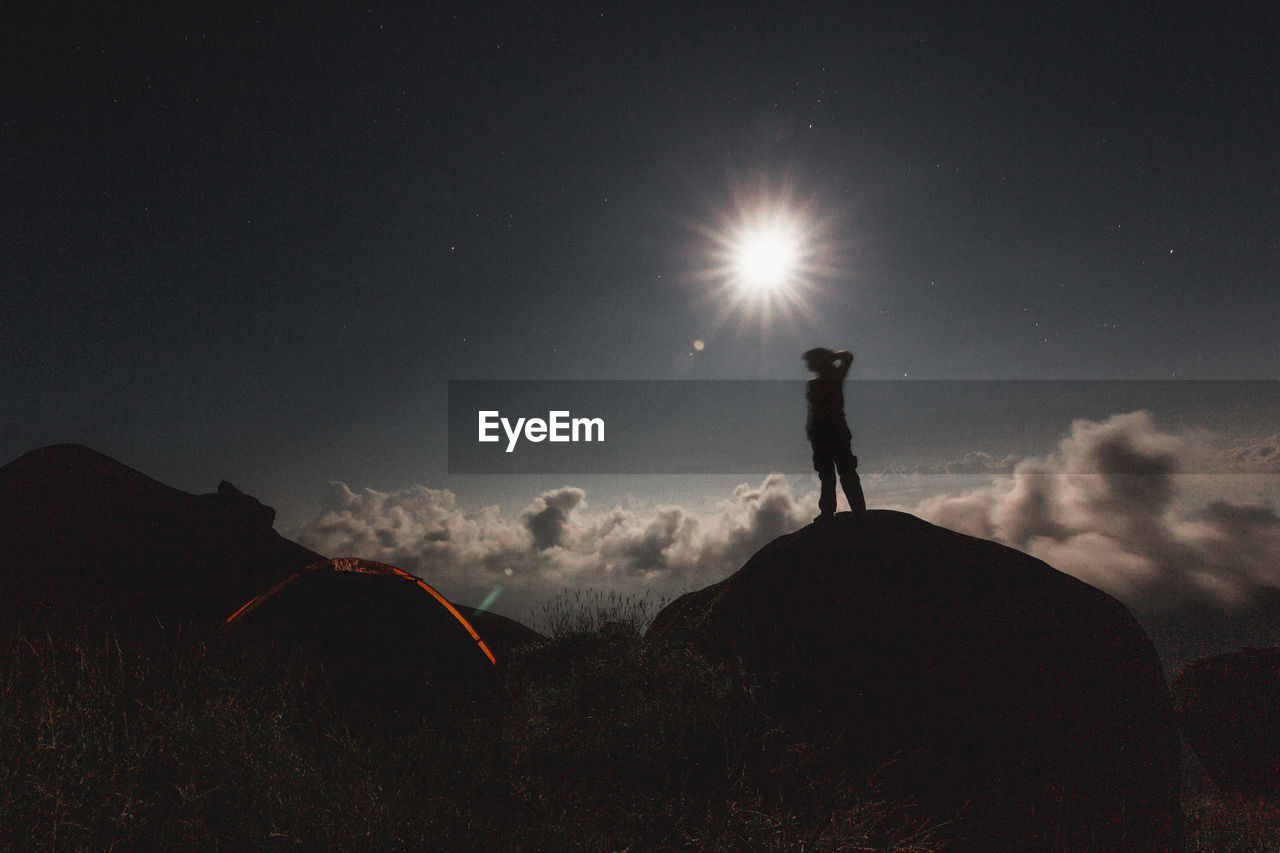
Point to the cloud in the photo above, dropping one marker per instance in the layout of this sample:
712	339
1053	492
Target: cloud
1261	456
558	541
547	518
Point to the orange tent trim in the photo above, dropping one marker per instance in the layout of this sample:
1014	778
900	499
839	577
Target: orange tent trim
369	567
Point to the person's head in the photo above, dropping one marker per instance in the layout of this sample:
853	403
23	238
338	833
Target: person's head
818	359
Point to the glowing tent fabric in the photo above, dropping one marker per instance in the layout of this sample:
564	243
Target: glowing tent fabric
368	622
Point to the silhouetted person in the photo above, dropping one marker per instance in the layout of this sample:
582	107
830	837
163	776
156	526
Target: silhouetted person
829	433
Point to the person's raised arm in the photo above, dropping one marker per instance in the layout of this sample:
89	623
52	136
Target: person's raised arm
842	361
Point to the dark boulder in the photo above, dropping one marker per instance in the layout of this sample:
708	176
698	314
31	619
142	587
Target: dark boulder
1229	708
980	681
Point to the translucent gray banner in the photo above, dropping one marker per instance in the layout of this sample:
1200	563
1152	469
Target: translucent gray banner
732	427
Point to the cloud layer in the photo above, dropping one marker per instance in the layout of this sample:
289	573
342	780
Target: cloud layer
1109	505
557	542
1106	506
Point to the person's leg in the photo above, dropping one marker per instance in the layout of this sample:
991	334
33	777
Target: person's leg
826	468
847	465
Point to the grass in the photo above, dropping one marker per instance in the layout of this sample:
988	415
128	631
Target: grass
1231	825
597	740
584	612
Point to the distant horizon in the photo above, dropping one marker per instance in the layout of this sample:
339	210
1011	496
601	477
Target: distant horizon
1158	540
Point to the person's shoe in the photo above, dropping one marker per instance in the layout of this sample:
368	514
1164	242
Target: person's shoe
824	517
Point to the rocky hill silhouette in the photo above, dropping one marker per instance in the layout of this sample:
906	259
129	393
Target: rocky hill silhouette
981	681
86	536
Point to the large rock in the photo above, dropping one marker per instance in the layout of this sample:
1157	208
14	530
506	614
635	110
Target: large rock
1229	707
83	535
982	681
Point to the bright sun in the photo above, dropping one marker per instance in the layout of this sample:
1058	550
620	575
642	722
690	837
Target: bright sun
766	257
770	259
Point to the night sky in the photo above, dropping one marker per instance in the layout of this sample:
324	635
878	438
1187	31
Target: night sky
254	243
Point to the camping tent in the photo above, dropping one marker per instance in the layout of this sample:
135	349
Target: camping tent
370	624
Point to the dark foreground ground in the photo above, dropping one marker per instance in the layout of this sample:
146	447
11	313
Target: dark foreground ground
595	740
